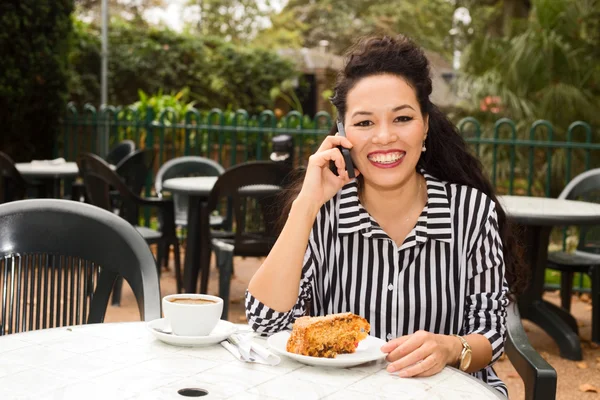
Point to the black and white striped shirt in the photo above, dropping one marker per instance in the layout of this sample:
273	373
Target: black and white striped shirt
447	277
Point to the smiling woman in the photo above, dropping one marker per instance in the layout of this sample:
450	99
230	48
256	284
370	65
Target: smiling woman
417	244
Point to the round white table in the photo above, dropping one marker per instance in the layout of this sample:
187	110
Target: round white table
197	255
50	172
125	361
536	217
48	169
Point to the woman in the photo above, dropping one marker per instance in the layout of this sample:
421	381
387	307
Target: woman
417	244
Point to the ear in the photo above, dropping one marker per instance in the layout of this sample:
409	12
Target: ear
426	125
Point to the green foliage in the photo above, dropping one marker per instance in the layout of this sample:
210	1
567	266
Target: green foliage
546	69
34	39
304	23
217	73
234	20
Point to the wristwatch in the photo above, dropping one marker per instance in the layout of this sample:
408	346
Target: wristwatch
465	356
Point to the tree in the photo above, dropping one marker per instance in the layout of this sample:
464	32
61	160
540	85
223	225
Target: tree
237	21
132	10
338	22
33	79
548	68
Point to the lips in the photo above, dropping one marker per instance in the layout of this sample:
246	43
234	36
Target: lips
386	159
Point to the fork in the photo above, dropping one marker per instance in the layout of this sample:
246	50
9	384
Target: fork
244	352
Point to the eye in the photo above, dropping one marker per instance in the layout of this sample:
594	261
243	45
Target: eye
403	118
364	123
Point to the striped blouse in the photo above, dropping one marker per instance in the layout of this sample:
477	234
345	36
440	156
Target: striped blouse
447	277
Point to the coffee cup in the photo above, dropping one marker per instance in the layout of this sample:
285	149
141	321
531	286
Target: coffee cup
192	314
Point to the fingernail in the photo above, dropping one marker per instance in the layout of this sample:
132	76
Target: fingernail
403	374
390	368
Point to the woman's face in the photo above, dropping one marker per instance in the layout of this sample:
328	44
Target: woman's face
384	123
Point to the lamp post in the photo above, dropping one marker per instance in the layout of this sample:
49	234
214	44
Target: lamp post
103	131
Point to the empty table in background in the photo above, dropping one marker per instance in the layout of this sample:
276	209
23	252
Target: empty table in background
537	216
198	189
50	172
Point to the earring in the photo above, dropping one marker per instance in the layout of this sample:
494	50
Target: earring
423	149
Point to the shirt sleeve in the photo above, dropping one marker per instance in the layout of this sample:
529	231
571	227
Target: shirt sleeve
265	320
487	287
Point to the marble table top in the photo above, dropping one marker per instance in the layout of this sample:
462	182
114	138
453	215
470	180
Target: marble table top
125	361
548	211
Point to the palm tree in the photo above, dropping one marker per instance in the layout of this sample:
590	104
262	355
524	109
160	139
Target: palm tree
546	68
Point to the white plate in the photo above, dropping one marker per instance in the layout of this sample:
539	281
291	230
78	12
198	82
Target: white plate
367	350
223	330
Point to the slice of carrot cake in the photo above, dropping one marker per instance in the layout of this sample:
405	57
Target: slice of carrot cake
327	336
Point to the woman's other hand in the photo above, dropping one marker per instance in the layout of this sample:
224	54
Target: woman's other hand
320	184
421	353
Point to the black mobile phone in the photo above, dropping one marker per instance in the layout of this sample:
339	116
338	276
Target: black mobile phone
345	151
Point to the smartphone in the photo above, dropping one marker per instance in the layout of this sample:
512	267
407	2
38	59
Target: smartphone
345	151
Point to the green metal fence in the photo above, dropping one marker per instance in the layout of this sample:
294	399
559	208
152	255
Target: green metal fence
535	159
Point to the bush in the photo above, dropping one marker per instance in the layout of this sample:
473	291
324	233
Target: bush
34	38
217	73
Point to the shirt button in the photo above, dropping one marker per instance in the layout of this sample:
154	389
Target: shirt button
389	336
390	287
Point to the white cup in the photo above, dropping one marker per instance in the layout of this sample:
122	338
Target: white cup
192	319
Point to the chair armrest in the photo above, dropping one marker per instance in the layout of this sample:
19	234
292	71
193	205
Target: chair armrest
538	376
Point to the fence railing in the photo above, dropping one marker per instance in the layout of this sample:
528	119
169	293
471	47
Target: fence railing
535	159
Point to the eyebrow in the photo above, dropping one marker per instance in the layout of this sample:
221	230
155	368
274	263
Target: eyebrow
395	109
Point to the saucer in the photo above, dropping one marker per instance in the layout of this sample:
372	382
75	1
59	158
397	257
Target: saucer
367	350
223	330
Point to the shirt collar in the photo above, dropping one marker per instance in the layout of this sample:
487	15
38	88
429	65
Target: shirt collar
433	223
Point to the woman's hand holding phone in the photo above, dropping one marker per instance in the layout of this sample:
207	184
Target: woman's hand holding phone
320	183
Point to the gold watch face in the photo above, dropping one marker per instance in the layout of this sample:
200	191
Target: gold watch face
465	362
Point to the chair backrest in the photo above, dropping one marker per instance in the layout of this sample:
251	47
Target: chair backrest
99	179
59	260
120	151
134	169
586	187
248	174
12	185
185	167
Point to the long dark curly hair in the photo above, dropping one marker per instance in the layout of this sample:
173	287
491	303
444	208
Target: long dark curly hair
447	156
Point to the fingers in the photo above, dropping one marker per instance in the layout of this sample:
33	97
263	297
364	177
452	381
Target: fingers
394	343
410	344
321	159
331	142
429	366
413	357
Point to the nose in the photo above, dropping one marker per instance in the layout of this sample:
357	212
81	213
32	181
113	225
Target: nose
384	135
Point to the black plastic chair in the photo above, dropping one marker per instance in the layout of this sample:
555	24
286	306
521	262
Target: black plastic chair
114	157
13	186
586	259
538	376
134	169
59	260
99	179
260	180
120	151
186	167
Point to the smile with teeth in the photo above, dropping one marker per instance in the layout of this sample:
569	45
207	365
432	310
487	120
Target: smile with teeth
387	158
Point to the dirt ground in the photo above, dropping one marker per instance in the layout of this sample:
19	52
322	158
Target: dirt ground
571	375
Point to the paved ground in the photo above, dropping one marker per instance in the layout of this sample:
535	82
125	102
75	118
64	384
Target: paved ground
571	375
